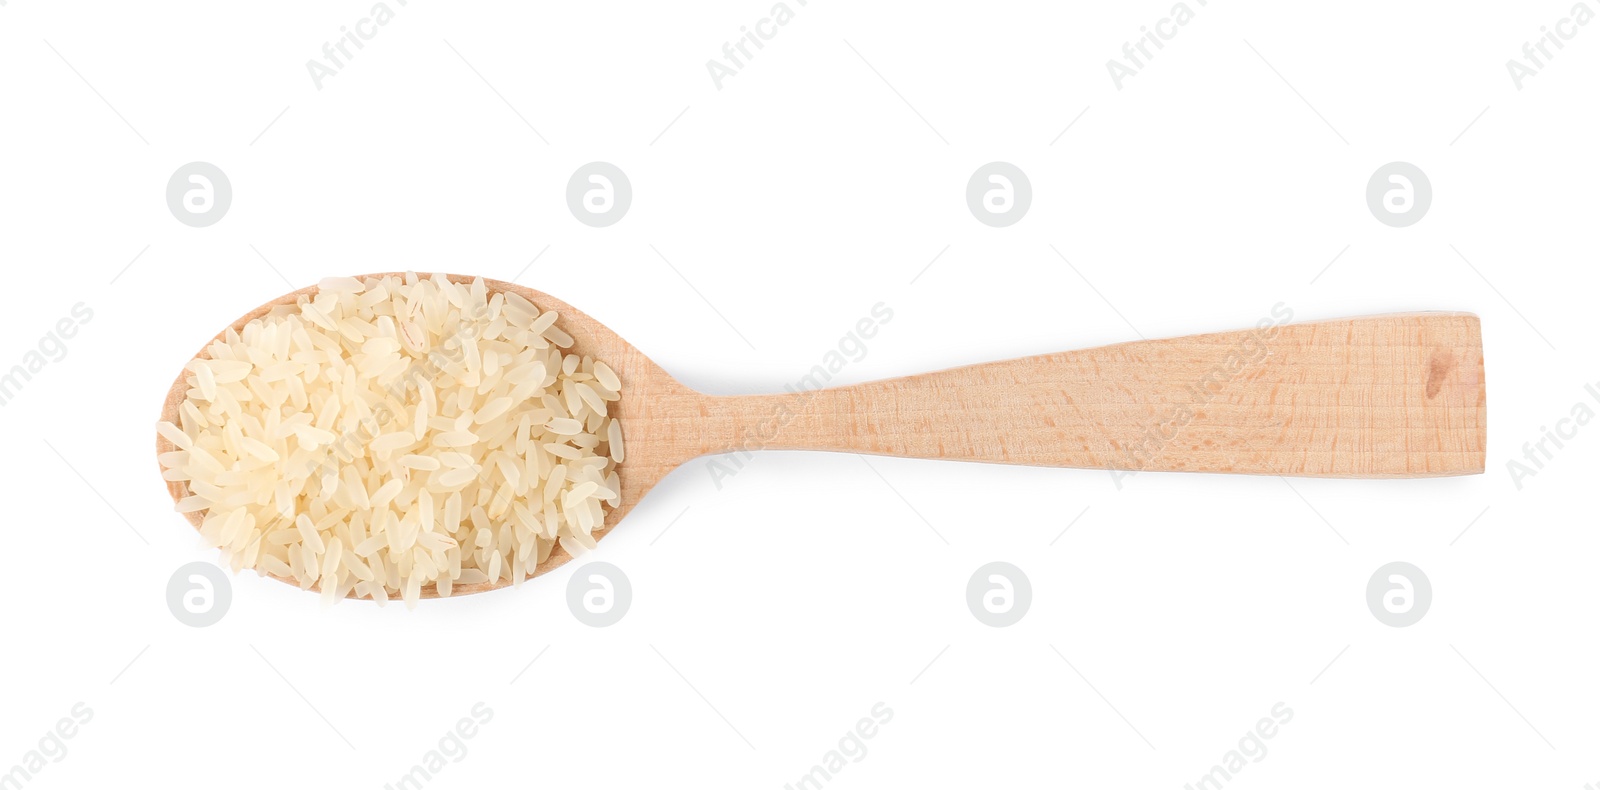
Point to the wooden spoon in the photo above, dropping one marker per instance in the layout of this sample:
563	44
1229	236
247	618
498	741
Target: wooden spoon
1383	396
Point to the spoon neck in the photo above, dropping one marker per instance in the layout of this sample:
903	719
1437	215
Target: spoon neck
791	420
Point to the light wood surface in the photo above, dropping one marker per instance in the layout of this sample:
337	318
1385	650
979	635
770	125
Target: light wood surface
1383	396
1386	396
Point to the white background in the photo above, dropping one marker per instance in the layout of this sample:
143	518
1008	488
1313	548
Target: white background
780	607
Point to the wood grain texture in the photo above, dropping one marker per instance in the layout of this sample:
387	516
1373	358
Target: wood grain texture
1386	396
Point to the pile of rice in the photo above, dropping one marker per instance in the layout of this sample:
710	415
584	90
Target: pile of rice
395	432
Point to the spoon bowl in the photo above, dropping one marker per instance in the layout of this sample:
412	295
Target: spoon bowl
654	409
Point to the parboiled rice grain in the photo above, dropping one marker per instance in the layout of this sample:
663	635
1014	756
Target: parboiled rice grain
395	432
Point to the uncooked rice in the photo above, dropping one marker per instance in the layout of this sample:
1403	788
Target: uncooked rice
390	433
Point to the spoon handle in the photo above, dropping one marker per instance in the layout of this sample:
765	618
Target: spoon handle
1384	396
